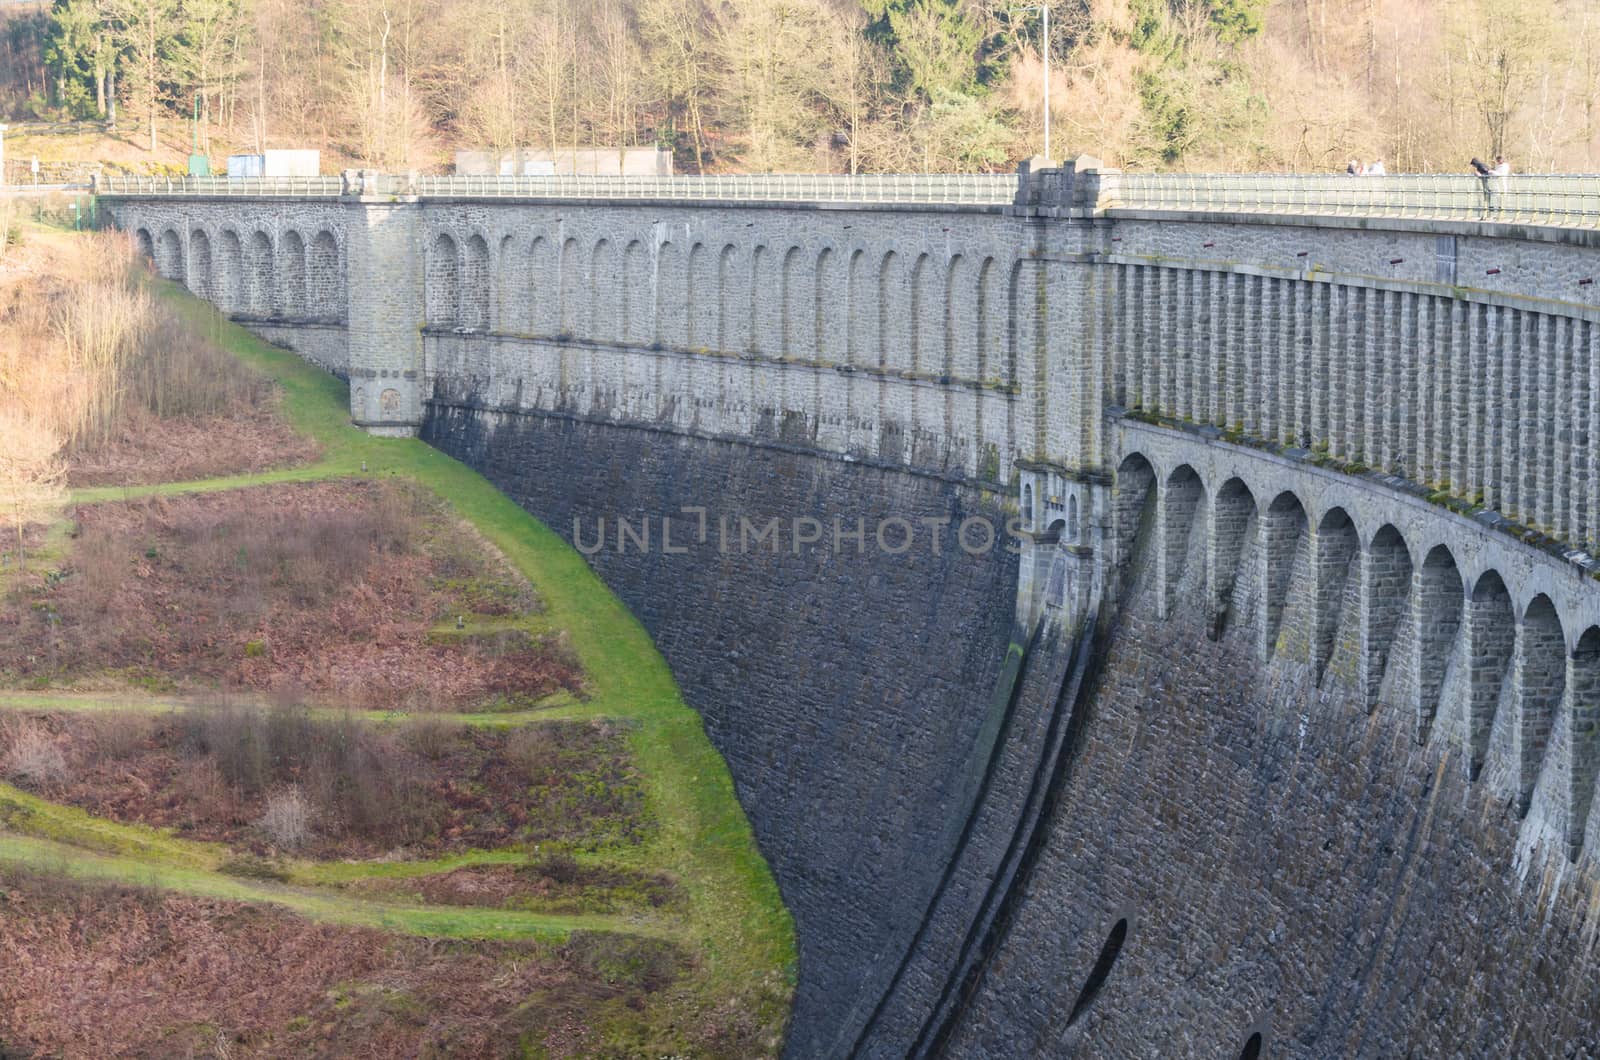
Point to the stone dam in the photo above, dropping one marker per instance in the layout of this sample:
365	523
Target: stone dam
1143	617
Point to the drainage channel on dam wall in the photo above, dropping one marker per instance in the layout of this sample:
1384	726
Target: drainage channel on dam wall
853	694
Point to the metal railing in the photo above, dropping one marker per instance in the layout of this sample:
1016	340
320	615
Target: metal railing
242	187
949	188
1539	199
944	188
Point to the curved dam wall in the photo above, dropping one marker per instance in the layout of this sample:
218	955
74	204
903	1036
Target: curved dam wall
849	692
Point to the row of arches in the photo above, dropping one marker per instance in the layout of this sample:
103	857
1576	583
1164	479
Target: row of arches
1385	606
253	273
1495	403
948	317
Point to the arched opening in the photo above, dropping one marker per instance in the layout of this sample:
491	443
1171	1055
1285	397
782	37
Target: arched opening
792	339
1132	502
670	266
958	340
990	353
1100	972
923	331
200	275
1337	546
1252	1047
859	312
507	310
1027	505
1440	598
443	282
475	284
1540	682
603	273
144	244
702	282
259	269
1583	720
727	297
825	294
169	256
1073	533
636	303
1283	533
292	275
543	302
1180	501
891	351
1233	524
324	278
229	292
571	287
1388	592
1491	641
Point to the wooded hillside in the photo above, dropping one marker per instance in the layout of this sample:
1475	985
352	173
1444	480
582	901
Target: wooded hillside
907	85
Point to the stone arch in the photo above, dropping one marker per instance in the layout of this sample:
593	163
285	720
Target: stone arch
702	281
1491	643
1538	685
1006	366
603	323
925	338
324	277
670	269
1441	597
1181	497
727	297
892	349
758	303
1583	735
1337	547
960	354
1283	531
1233	524
571	287
825	305
1027	506
636	305
229	289
990	352
793	324
292	275
1386	593
1074	533
200	266
507	310
169	256
860	312
544	298
475	283
1132	497
258	268
144	244
443	282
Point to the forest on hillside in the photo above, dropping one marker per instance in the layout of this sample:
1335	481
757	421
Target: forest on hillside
836	85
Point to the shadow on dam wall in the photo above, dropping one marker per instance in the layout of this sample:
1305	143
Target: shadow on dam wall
853	695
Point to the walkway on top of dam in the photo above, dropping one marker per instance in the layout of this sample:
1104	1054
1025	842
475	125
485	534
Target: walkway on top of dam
1550	200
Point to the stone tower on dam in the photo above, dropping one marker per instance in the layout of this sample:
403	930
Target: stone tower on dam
1194	646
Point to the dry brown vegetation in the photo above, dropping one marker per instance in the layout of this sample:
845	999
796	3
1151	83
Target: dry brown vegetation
230	775
328	591
100	382
93	972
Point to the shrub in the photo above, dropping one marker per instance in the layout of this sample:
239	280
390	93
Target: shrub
287	821
33	758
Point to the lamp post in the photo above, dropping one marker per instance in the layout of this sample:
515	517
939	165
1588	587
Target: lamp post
1044	49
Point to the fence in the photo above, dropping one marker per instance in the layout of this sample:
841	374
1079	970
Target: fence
1538	199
